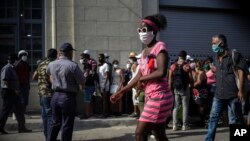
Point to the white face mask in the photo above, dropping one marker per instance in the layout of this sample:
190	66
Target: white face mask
192	65
24	58
128	66
146	37
138	61
130	60
81	61
115	66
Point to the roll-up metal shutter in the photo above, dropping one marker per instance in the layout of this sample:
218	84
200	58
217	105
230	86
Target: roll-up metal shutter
191	30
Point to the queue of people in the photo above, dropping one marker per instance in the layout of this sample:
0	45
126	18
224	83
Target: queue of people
157	90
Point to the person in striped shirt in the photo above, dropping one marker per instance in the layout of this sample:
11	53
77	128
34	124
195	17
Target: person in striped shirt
152	76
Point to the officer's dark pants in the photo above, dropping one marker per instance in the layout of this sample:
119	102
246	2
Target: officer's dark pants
63	114
11	101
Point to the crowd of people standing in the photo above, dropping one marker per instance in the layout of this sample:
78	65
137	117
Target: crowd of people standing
155	90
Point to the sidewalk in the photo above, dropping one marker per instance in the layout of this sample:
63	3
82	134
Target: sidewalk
108	129
34	122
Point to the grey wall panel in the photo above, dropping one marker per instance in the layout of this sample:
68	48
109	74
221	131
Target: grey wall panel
221	4
191	30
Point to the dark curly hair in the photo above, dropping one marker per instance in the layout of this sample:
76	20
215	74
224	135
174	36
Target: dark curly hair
159	20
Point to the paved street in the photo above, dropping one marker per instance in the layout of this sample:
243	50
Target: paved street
111	129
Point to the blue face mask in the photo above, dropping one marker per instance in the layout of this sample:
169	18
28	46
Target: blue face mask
216	49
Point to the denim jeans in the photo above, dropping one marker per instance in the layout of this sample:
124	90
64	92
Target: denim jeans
46	114
235	115
181	97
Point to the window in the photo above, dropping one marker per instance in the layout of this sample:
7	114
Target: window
26	18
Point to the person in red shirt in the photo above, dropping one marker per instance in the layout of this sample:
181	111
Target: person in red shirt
23	73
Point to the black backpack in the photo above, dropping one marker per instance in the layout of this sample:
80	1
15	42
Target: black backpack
180	77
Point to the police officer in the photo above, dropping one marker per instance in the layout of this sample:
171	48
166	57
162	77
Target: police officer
65	76
11	96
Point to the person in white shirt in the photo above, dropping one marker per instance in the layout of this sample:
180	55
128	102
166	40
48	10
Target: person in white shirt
104	84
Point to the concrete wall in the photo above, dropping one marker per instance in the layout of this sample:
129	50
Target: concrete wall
98	25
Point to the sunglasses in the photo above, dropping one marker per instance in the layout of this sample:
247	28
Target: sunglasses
144	30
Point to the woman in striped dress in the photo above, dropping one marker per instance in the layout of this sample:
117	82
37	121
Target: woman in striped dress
152	76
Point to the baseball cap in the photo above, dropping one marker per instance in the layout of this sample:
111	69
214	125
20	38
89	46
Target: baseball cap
86	52
22	52
106	55
138	56
132	54
182	54
189	58
66	47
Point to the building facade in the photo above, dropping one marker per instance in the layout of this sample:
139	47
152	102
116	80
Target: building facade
110	26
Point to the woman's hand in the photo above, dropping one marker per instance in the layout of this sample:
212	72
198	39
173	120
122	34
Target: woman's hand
115	97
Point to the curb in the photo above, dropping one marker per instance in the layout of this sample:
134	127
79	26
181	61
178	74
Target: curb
35	123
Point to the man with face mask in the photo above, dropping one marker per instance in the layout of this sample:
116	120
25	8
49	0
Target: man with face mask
86	58
90	74
11	96
104	83
23	73
180	80
226	93
109	64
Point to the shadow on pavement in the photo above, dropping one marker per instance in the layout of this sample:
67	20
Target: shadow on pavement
192	132
126	137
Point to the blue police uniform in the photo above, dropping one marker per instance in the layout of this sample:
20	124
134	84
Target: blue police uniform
66	77
11	98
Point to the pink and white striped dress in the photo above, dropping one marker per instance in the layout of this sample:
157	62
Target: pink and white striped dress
158	96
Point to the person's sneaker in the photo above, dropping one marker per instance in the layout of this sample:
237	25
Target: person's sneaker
175	128
152	136
135	115
185	127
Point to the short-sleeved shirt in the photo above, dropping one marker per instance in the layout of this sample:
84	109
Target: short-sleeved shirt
8	73
158	97
152	86
44	84
102	70
210	77
225	78
66	75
